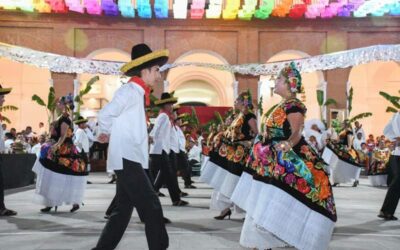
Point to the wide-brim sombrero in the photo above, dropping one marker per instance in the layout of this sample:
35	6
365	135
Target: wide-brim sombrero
143	57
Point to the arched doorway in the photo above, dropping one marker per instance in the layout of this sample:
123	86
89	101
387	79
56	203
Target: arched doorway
367	80
311	82
202	85
25	81
104	89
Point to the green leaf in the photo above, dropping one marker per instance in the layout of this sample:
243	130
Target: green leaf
8	108
89	85
38	100
392	99
51	99
391	109
219	120
195	118
320	97
260	106
350	100
5	119
360	116
330	101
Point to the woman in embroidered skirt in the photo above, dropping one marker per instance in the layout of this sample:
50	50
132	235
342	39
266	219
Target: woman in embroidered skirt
227	159
291	197
377	171
61	169
342	158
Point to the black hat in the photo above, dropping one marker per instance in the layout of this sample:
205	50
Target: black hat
4	91
143	57
80	120
165	99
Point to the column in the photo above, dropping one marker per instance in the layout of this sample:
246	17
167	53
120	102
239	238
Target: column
166	86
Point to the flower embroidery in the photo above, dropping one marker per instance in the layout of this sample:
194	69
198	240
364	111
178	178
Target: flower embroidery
302	186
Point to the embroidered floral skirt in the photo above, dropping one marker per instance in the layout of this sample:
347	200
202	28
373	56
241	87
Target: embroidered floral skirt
290	198
65	160
344	165
224	167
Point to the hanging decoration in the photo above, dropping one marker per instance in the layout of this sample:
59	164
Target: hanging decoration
214	9
144	9
24	5
109	7
314	10
161	9
231	9
248	9
41	6
265	9
298	10
179	9
282	9
197	9
66	64
93	7
58	6
75	5
126	8
332	9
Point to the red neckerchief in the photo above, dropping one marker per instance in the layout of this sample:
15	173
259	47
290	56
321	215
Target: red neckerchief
146	88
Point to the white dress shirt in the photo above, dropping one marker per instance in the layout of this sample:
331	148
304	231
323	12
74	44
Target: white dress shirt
161	134
392	131
90	136
357	143
1	140
194	153
174	139
181	139
81	140
124	119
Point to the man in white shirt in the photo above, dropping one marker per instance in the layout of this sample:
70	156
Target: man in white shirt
42	129
160	149
358	129
194	153
4	126
182	159
3	210
358	141
9	140
392	132
122	122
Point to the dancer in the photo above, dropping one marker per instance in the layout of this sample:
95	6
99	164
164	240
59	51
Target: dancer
291	198
3	210
160	149
392	132
342	158
61	169
123	123
225	166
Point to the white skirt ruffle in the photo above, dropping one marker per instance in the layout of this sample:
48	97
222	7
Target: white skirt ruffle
220	179
242	190
287	218
341	171
54	189
254	236
378	180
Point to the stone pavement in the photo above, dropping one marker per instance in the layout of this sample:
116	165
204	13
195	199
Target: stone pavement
193	227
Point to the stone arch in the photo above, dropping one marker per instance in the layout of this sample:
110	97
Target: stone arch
25	81
367	80
104	89
311	82
221	82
